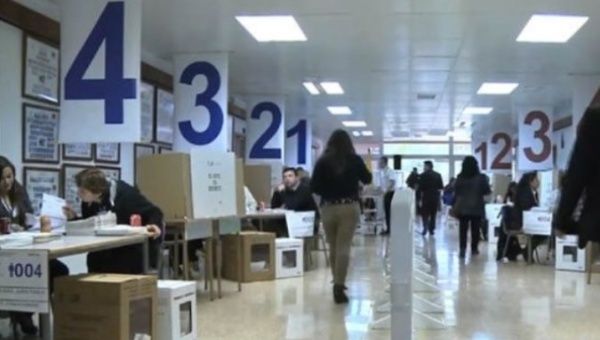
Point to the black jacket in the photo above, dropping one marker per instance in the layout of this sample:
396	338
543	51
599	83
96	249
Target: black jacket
127	201
428	191
334	185
469	195
412	180
23	206
525	200
298	200
582	177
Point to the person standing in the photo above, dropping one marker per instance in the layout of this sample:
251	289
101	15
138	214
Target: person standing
413	179
469	205
336	179
387	183
428	192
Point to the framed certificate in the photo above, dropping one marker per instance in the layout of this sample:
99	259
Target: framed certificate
40	135
164	149
108	153
147	104
69	186
140	150
41	70
111	172
78	152
165	117
40	181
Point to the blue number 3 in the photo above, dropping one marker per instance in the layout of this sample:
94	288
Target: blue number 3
205	99
114	89
259	150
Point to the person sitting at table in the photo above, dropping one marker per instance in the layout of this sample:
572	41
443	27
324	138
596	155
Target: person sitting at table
526	199
292	194
100	194
15	206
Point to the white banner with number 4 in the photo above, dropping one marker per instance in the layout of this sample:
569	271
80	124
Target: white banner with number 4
24	281
535	139
100	45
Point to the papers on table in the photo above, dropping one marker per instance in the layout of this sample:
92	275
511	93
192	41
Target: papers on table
52	207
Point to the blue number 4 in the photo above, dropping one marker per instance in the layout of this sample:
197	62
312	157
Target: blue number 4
114	89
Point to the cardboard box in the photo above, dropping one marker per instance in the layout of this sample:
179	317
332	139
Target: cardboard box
258	181
257	256
289	258
177	318
105	306
568	254
239	185
166	181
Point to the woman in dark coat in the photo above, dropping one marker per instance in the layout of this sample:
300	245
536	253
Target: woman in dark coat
582	179
99	195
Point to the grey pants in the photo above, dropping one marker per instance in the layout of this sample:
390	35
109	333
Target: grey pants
340	221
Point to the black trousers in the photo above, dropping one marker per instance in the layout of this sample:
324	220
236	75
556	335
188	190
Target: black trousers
464	223
429	215
387	207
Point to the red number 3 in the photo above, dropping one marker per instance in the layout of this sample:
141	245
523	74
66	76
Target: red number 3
541	134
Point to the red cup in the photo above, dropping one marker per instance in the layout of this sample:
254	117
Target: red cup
135	220
4	226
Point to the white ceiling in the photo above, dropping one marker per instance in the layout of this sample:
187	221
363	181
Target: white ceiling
384	52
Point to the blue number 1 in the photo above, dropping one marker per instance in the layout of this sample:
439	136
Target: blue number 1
259	150
300	130
216	119
114	89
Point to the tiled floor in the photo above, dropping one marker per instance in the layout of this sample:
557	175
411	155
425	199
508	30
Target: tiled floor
482	300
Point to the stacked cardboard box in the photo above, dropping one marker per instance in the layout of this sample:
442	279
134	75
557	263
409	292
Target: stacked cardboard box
257	256
105	306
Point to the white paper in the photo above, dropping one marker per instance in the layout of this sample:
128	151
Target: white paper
52	207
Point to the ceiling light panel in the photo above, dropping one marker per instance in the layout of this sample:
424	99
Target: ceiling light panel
339	110
497	88
367	133
332	88
551	28
311	88
356	133
354	123
478	110
272	28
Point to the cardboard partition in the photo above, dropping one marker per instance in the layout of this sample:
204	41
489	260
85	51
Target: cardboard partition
239	186
258	181
105	306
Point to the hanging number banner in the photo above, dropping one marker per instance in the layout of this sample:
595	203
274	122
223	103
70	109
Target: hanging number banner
297	143
265	130
535	140
201	91
479	146
100	71
500	145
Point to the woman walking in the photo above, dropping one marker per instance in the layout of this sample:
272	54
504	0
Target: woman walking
469	204
336	179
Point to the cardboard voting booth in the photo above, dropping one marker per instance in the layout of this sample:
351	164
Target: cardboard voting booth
105	306
568	254
177	318
289	257
257	258
258	180
196	185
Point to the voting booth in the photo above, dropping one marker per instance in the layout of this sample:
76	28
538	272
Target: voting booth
289	260
177	310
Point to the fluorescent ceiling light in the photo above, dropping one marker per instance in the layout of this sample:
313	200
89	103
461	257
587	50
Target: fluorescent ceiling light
367	133
332	88
272	28
497	88
311	88
339	110
477	110
354	123
356	133
551	28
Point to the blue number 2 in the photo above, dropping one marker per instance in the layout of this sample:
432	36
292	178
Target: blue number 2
114	89
205	99
259	150
300	130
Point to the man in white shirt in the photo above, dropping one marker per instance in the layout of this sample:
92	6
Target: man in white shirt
387	183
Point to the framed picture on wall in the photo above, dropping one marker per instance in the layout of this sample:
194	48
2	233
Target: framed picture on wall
164	149
147	104
78	152
165	117
69	186
140	150
40	181
41	72
108	153
111	172
40	135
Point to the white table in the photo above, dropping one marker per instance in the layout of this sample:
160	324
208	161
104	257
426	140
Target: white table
73	245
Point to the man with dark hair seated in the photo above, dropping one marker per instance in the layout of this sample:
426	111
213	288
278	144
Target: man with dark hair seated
292	194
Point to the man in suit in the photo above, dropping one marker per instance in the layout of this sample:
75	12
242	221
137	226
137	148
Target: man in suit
428	194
